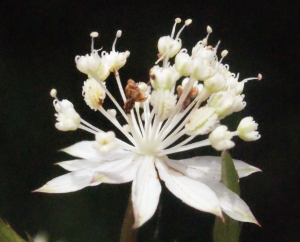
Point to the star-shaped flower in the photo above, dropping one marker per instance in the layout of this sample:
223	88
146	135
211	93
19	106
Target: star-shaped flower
155	119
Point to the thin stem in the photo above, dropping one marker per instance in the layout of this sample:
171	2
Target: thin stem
117	76
117	124
128	234
175	149
111	97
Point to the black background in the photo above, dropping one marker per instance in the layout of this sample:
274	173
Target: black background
38	43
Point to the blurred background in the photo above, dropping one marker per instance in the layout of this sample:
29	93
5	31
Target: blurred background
38	43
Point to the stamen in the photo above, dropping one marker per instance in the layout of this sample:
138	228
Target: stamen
177	21
118	35
53	93
223	54
93	35
259	77
209	29
186	23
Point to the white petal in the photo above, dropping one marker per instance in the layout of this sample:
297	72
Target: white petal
70	182
74	165
85	150
208	167
146	189
190	191
115	172
232	204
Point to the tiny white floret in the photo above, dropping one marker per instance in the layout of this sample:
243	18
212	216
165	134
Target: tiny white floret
247	129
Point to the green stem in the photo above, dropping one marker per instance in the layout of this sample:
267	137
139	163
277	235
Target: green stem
128	234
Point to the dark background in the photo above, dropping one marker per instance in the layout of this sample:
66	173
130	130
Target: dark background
38	43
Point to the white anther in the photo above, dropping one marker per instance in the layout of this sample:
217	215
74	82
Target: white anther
188	22
177	20
209	29
94	34
119	33
259	77
53	93
224	53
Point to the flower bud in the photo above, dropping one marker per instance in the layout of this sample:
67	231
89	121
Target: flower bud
215	83
163	102
115	60
67	118
247	129
93	93
88	64
220	138
167	45
226	102
183	63
201	121
163	78
105	142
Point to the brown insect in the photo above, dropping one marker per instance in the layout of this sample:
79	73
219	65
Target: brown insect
192	94
133	94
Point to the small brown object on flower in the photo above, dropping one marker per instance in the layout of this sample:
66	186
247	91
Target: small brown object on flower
133	94
191	95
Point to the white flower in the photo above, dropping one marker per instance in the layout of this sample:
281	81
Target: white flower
247	129
184	63
105	142
163	78
202	121
220	138
115	60
66	116
153	134
93	93
163	102
226	102
88	64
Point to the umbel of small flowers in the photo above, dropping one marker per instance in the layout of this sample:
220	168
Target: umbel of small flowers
180	101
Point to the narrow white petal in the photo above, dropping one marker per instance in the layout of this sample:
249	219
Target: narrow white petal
209	167
118	171
231	203
70	182
85	150
146	189
74	165
190	191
